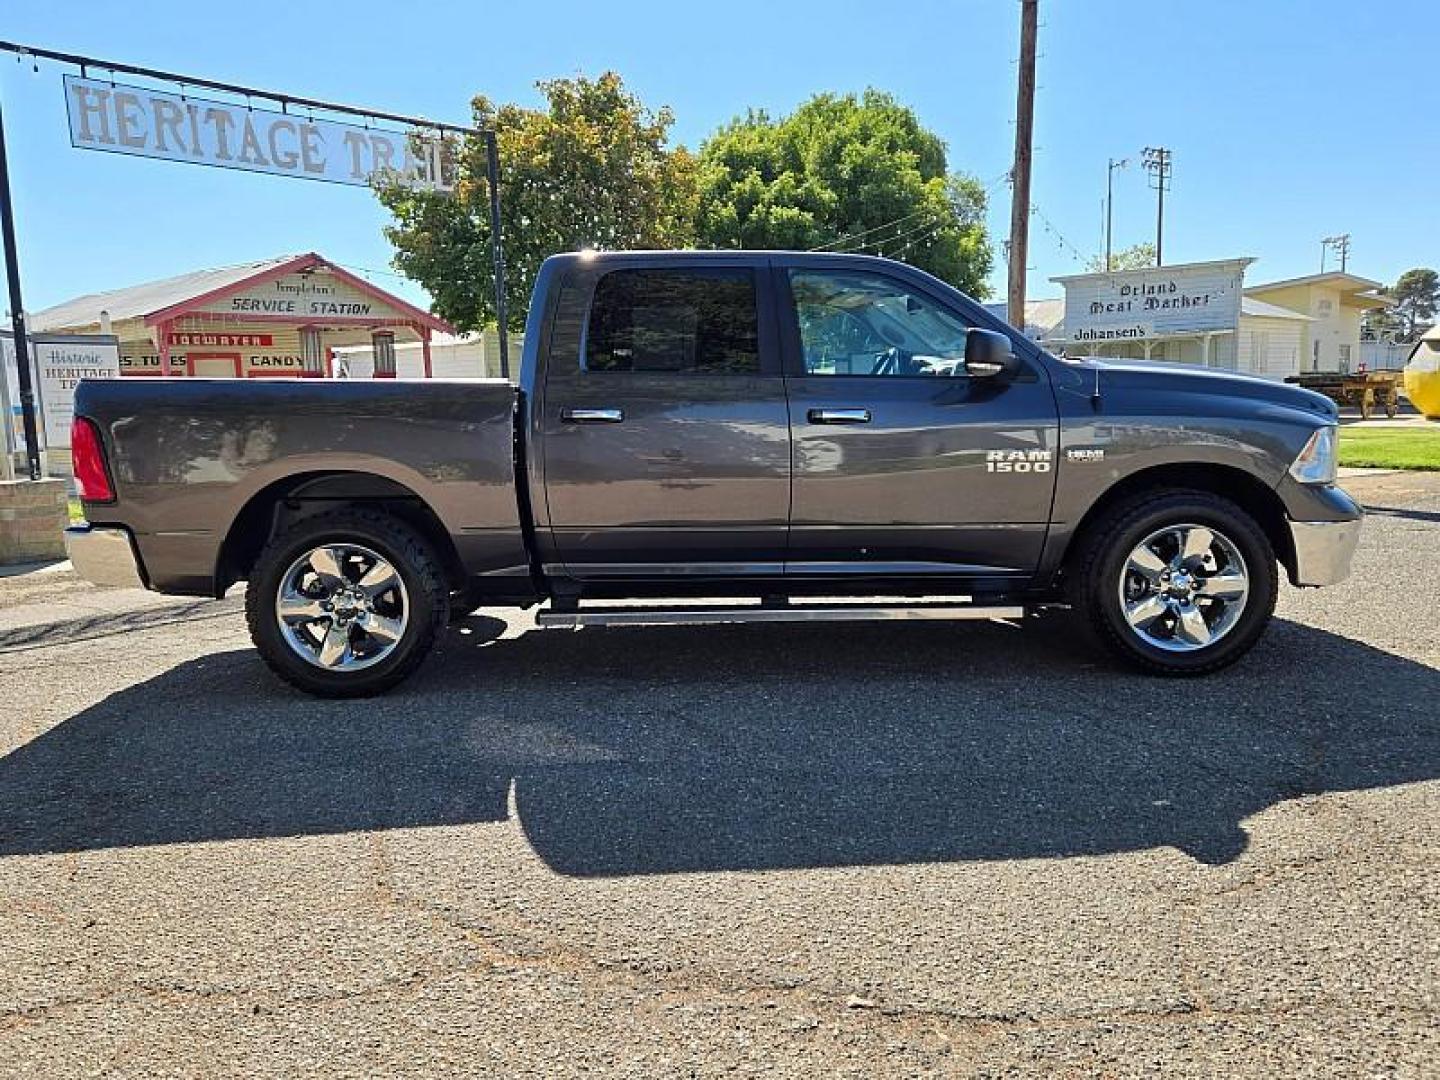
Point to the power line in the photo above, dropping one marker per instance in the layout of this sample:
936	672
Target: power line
876	228
368	270
828	245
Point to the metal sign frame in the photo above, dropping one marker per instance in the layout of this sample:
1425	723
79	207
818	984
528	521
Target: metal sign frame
286	102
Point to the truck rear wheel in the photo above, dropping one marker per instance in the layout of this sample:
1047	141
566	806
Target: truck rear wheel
346	603
1180	583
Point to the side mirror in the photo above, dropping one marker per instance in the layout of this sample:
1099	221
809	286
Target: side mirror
988	355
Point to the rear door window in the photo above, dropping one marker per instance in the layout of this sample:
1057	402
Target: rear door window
682	322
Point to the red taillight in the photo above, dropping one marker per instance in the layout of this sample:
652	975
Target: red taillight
88	459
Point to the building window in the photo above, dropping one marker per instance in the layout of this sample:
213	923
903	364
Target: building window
1344	357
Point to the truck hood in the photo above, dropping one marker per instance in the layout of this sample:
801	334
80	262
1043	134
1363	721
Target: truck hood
1149	376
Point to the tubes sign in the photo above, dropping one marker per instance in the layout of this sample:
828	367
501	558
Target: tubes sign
178	127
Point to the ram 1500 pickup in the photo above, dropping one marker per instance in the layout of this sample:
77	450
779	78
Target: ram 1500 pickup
782	434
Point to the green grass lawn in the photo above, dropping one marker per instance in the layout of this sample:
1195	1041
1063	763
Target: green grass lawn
1391	448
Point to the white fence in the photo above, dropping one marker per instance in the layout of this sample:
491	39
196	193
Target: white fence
1384	355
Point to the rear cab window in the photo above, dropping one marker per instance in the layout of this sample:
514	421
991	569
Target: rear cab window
674	321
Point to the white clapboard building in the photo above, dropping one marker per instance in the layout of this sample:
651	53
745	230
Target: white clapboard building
1203	313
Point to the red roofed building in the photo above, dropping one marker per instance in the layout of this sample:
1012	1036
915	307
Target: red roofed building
282	316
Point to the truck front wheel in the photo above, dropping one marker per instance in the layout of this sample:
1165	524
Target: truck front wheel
346	603
1179	583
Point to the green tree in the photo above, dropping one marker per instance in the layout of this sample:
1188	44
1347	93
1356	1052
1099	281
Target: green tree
592	169
1380	324
847	174
1135	257
1417	296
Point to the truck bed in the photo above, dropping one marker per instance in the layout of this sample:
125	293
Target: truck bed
187	456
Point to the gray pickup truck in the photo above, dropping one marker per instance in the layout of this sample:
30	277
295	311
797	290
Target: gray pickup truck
782	435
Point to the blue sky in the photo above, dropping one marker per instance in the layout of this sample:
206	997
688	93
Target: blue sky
1289	121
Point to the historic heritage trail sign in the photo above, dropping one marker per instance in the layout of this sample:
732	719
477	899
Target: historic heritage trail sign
60	361
180	127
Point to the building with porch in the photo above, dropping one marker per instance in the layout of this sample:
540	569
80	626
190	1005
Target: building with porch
281	316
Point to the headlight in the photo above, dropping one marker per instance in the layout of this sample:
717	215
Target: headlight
1316	463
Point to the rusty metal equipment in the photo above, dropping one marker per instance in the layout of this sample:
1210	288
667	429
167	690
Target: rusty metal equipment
1363	389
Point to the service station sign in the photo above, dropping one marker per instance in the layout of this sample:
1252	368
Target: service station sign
1133	305
179	127
315	297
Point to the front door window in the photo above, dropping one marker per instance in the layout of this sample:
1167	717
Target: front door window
868	324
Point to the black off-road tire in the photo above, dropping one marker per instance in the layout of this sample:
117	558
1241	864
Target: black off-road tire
1095	571
407	551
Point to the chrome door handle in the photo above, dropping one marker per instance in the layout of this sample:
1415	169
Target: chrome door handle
592	416
838	416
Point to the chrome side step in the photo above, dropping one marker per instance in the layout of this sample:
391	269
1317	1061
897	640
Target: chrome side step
756	613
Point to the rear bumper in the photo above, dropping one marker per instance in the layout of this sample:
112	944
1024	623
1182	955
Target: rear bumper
104	556
1323	550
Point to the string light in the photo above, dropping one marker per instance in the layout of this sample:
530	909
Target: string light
1050	228
874	229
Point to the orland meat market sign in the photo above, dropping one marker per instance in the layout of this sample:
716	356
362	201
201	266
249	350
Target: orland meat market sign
1168	301
178	127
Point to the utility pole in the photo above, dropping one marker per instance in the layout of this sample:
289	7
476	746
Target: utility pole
1110	203
1341	246
1020	175
17	315
1156	160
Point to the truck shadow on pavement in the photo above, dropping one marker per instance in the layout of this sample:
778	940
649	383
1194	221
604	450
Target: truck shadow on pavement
636	751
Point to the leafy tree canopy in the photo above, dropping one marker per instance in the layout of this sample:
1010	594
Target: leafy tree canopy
1417	297
1137	257
847	173
592	169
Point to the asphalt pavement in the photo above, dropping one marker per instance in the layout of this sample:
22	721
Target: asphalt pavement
885	849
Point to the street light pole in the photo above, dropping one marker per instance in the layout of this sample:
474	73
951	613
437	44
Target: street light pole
1110	203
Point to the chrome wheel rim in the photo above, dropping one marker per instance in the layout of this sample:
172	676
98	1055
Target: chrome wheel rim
342	607
1184	587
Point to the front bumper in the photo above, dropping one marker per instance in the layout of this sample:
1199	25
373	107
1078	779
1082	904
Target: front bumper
1323	550
104	556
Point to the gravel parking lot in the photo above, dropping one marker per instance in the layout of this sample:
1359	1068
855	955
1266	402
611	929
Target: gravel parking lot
897	849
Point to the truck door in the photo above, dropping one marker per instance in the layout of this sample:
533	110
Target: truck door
663	425
903	463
